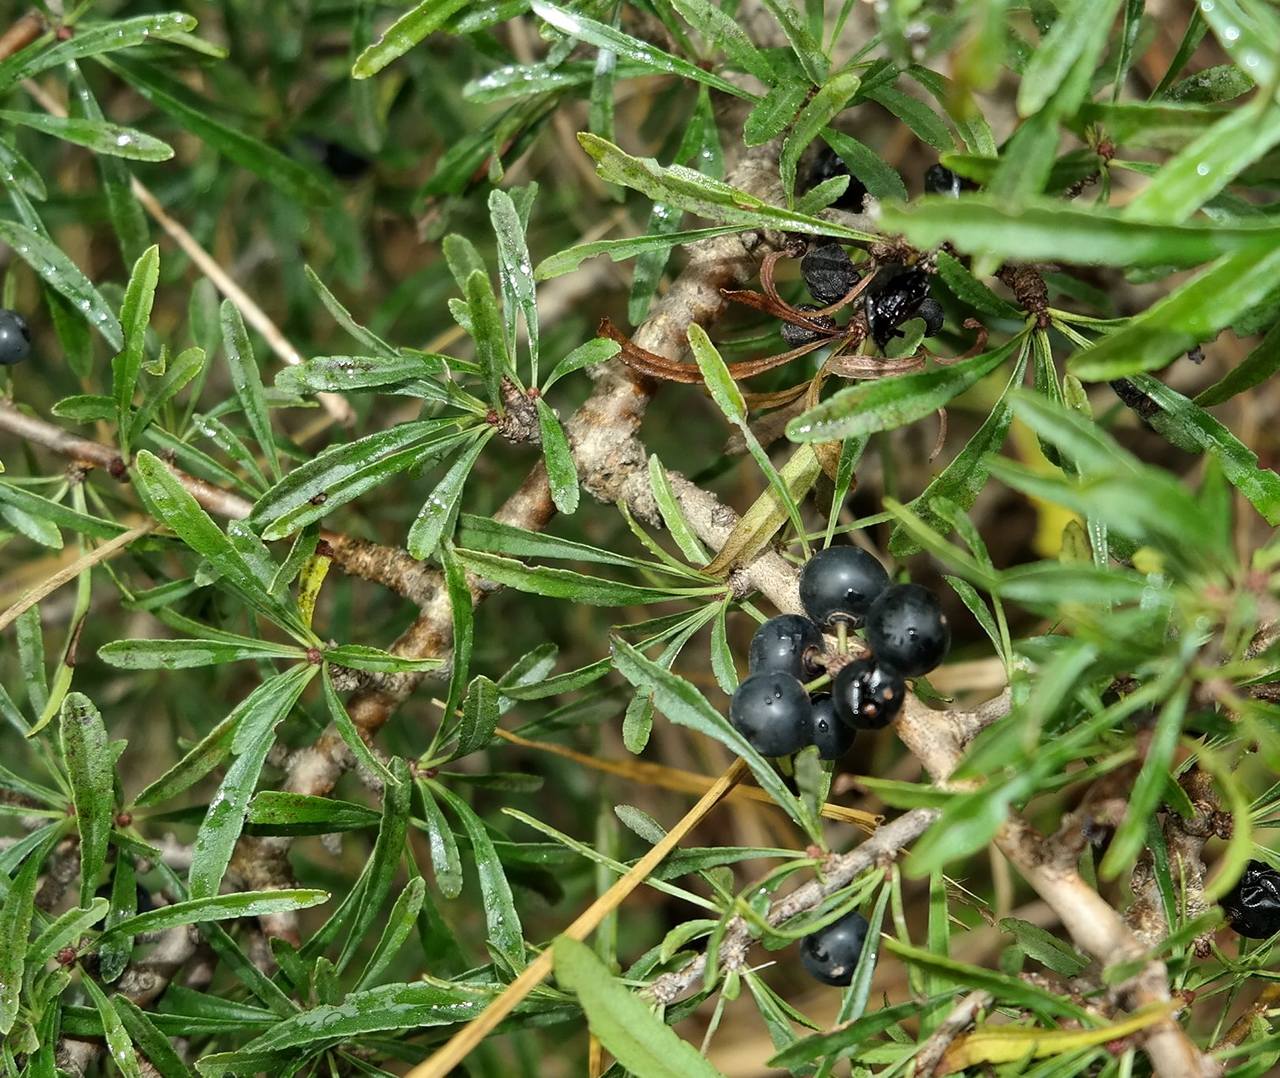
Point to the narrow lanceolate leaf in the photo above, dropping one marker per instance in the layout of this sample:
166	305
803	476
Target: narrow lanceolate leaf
97	135
403	34
183	654
217	908
277	812
375	660
1195	312
446	862
1192	424
246	380
1077	24
260	712
822	107
516	271
774	113
398	926
622	249
490	337
437	517
347	729
479	716
562	472
686	706
15	928
1253	370
64	277
888	403
153	1044
623	1022
687	189
89	767
879	178
606	37
117	1037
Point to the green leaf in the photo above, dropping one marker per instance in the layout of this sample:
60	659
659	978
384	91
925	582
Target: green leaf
246	380
90	770
774	112
399	924
888	403
64	277
259	713
479	716
1039	228
340	718
562	472
154	1044
807	50
24	173
1045	947
96	135
603	36
813	118
1248	33
1253	370
217	908
114	955
686	706
422	19
722	28
1068	39
620	250
277	812
516	272
446	863
184	654
207	754
347	470
375	660
185	366
490	336
625	1025
913	112
687	189
118	1042
93	39
1193	313
15	930
672	514
881	179
194	113
436	518
505	932
64	931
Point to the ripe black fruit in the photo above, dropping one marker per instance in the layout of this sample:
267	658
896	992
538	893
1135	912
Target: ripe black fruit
907	629
15	338
833	737
829	273
827	164
795	335
868	694
772	711
931	311
780	645
840	583
1252	906
831	954
940	180
894	302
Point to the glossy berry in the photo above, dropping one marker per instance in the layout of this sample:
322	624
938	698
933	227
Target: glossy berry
868	694
1252	906
772	711
829	273
15	338
940	180
907	629
893	303
780	646
795	335
831	954
840	583
931	311
833	737
827	164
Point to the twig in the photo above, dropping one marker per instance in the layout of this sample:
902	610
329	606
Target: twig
962	1016
460	1045
25	29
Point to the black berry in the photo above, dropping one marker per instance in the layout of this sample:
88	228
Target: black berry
831	954
833	737
907	629
829	273
341	162
796	335
827	164
15	338
894	302
780	646
868	694
840	583
772	712
1252	906
931	311
940	180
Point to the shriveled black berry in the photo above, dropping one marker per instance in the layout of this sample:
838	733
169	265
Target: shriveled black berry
894	302
829	273
1252	906
831	954
931	311
772	711
827	164
907	629
940	180
780	646
833	737
840	583
868	694
795	335
15	338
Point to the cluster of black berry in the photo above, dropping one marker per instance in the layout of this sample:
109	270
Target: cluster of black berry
783	706
15	338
